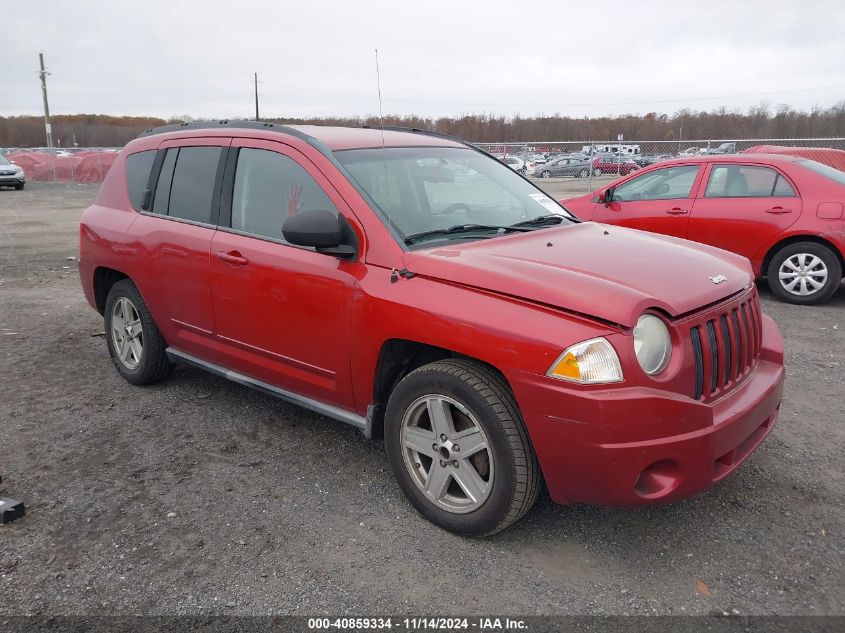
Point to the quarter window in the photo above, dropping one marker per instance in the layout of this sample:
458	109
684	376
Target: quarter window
660	184
268	188
746	181
138	168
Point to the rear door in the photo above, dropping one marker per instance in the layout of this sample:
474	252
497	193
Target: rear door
742	208
175	234
282	311
658	201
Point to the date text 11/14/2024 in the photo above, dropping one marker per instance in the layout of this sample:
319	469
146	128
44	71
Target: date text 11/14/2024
418	624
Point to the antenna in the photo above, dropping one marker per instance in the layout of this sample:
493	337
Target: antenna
393	275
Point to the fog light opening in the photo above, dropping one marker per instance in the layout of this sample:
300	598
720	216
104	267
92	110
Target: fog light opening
657	480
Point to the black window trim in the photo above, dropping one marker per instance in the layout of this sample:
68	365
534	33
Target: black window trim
778	174
155	174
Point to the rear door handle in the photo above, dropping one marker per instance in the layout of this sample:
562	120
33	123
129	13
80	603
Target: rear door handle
778	210
677	211
232	257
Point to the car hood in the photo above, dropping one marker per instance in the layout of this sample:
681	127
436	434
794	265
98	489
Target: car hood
607	272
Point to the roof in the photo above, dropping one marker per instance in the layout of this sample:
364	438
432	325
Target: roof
732	158
332	137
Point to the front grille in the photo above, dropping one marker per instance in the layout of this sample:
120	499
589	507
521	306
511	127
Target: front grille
725	345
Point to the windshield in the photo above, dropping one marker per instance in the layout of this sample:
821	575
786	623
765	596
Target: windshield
422	189
4	160
825	170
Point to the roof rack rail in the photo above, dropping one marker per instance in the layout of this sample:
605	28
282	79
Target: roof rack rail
418	130
229	123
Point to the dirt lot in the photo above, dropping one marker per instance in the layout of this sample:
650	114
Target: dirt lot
200	496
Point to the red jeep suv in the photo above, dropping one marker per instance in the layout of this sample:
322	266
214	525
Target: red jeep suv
416	288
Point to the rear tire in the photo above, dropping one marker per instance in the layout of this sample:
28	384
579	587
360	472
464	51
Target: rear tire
438	478
597	172
136	346
545	174
804	273
583	173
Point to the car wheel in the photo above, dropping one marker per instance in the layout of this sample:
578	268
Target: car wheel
804	273
545	174
458	447
135	345
597	172
583	173
19	187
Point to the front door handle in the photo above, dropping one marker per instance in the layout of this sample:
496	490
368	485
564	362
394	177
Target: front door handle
778	210
677	211
232	257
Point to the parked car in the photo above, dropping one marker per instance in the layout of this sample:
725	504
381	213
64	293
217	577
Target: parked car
617	165
783	213
564	167
518	164
11	175
724	148
494	340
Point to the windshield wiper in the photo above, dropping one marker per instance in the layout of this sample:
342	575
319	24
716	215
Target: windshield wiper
461	228
541	220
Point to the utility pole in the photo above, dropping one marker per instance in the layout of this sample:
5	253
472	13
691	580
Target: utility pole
43	73
256	98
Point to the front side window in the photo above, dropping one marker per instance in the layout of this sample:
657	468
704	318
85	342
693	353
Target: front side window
420	189
270	187
746	181
660	184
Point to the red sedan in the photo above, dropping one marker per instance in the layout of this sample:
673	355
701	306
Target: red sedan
784	213
614	165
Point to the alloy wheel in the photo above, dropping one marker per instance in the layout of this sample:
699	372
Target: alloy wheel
447	453
127	333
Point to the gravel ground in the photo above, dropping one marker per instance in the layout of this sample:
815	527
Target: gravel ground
200	496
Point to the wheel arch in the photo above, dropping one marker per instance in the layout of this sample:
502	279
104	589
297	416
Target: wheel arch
104	279
396	359
794	239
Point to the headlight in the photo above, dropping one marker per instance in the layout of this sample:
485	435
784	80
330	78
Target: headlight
590	362
652	344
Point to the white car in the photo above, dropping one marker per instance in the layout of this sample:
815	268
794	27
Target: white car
526	168
11	175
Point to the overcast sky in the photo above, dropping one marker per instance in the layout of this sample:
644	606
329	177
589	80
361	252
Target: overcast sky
315	58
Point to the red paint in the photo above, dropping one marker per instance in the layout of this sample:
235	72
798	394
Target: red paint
315	325
751	227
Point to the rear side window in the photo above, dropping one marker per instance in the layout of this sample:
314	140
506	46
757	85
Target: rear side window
268	188
745	181
138	168
186	182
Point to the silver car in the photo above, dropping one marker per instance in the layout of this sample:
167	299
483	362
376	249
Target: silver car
11	175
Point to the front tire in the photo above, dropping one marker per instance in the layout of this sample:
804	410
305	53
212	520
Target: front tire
804	273
19	187
545	174
597	172
136	346
457	445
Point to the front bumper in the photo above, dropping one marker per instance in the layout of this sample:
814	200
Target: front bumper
637	446
12	179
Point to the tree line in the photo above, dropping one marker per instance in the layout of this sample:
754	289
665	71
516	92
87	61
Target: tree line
761	121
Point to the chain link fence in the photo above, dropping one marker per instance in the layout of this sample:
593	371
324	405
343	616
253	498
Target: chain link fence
79	165
577	167
569	167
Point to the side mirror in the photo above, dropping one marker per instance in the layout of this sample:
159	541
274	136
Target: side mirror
322	230
606	196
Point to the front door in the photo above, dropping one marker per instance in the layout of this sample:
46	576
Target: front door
281	311
657	201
